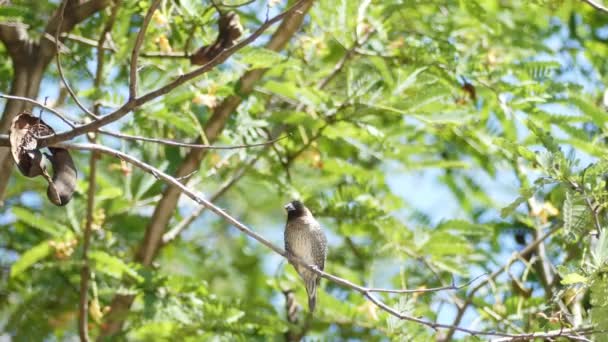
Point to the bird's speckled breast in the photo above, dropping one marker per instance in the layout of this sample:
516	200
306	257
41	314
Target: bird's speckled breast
298	238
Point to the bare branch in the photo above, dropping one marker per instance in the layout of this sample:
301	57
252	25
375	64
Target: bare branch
435	289
135	53
41	105
182	144
180	227
106	47
571	334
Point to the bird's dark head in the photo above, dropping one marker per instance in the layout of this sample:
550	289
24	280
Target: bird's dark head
295	209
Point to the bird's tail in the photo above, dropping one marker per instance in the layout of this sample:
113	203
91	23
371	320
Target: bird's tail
311	289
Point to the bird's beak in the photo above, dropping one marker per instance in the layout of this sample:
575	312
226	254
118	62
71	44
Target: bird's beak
289	207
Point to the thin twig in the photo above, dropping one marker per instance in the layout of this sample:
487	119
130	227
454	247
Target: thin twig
568	333
182	144
60	69
182	225
106	47
135	53
41	105
453	286
588	202
349	53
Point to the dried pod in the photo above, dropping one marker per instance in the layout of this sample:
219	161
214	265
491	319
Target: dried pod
230	29
25	130
63	184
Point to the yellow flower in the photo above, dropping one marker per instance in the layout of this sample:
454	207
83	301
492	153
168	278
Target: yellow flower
163	44
208	100
159	18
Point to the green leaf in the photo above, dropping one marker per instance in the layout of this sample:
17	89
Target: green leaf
113	266
109	192
409	81
526	193
599	254
260	58
30	257
286	89
465	228
575	215
599	304
40	222
573	278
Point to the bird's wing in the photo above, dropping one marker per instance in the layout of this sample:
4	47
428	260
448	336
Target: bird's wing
287	237
319	242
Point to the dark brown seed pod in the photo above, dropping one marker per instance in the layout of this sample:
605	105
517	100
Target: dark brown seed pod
24	130
24	133
230	29
63	184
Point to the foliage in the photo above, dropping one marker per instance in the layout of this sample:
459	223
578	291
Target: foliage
432	139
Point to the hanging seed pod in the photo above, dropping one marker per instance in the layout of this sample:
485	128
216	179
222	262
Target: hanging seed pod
24	133
24	129
230	29
63	184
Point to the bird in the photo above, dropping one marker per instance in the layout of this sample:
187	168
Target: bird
305	239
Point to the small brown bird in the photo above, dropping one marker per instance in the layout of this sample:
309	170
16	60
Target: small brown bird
305	239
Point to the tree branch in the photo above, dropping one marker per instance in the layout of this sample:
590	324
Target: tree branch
86	270
453	286
38	104
169	142
571	334
180	227
142	138
93	43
